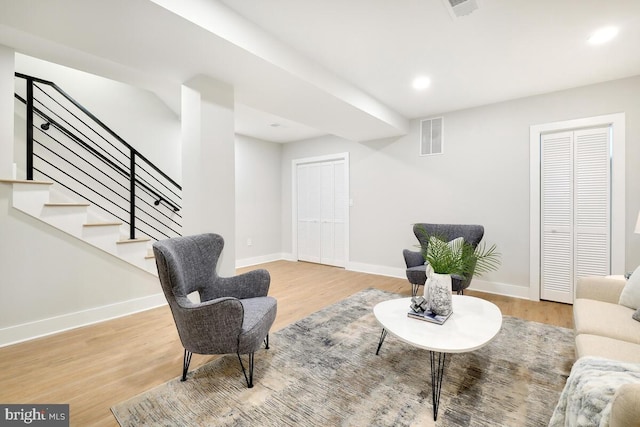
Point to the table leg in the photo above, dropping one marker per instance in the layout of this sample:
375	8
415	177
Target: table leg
437	372
383	335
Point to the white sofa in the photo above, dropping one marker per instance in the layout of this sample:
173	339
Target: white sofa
606	329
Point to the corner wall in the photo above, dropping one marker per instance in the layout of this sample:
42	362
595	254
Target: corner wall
258	201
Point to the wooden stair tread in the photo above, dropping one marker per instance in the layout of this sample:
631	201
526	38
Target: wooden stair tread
62	205
133	240
100	224
25	181
149	256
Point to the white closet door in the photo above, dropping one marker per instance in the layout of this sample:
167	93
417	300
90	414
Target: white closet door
327	210
592	202
557	217
575	204
309	184
340	213
332	207
322	198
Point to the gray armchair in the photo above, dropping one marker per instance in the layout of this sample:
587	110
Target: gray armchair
234	314
416	270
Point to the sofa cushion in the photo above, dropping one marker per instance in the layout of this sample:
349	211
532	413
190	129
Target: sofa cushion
608	348
630	296
605	319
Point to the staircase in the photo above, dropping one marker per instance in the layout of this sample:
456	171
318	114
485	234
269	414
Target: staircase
43	201
86	180
77	175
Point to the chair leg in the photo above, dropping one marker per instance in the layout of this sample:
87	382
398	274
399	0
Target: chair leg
266	342
249	378
414	289
185	364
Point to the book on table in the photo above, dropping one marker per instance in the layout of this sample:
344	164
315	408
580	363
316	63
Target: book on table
429	316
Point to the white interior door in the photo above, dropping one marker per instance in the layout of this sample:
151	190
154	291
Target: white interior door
592	200
309	232
556	217
575	209
340	212
321	212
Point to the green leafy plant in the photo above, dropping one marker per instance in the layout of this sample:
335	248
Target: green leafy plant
459	257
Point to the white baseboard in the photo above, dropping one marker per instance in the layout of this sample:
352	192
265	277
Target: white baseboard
505	289
53	325
247	262
380	270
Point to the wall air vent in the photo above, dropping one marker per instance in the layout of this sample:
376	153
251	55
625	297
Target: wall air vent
458	8
431	136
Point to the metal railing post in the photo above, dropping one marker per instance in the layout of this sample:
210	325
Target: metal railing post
132	194
29	129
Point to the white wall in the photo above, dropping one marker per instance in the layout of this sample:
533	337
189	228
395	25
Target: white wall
483	177
51	281
136	115
258	201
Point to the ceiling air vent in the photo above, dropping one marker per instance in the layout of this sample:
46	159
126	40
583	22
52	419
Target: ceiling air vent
458	8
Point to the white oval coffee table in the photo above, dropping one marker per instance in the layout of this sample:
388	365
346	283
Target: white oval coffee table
473	324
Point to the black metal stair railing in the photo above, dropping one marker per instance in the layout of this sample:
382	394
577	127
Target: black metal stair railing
67	144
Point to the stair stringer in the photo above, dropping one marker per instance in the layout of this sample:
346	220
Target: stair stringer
81	220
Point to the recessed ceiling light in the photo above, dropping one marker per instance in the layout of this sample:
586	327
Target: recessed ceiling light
275	125
603	35
421	83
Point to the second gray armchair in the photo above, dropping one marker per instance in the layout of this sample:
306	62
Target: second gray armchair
234	314
414	260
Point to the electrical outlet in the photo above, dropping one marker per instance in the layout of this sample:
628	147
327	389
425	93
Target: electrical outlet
249	242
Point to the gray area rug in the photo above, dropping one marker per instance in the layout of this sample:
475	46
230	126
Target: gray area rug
323	371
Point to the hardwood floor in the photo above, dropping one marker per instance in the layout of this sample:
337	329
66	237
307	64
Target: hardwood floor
94	367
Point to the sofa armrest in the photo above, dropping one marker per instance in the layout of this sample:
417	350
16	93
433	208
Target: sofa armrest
625	411
600	288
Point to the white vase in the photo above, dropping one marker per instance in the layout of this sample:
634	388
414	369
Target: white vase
439	292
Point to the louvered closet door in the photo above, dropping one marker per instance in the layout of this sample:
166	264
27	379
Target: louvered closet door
557	217
575	174
592	202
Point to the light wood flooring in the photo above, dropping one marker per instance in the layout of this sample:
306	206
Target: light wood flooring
94	367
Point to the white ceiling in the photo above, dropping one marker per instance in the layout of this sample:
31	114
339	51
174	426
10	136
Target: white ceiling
504	50
340	67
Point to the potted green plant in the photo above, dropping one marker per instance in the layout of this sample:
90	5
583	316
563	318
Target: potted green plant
458	258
